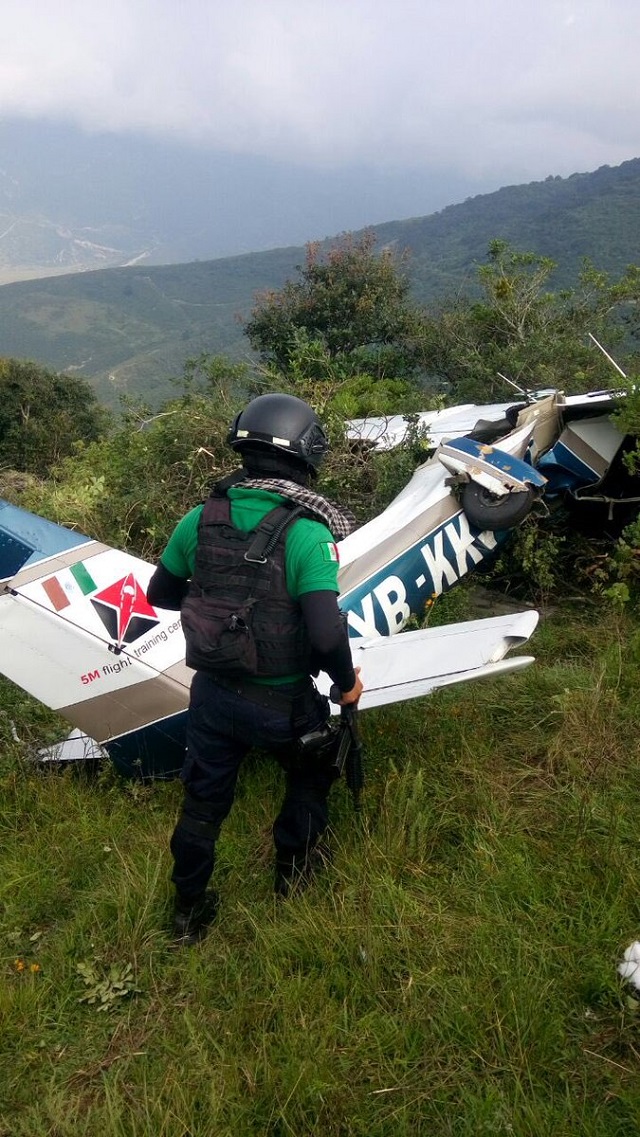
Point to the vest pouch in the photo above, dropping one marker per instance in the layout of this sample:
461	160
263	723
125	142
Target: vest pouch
219	634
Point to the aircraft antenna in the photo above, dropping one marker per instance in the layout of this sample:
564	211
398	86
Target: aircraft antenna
515	386
607	356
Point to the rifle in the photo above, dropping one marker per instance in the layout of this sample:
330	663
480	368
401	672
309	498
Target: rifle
339	745
349	755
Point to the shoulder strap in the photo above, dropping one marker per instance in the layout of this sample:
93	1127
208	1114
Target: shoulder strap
269	532
216	511
235	479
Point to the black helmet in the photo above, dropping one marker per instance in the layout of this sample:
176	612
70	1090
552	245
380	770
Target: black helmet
283	423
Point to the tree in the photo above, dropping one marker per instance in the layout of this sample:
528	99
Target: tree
523	329
351	300
42	416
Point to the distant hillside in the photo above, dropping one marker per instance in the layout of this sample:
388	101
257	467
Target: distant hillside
132	328
74	201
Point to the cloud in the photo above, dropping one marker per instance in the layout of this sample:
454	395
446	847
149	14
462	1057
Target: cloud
470	85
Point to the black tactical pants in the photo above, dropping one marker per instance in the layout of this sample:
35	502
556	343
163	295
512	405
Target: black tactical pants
222	727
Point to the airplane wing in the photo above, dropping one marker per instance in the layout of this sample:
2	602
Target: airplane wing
385	432
77	633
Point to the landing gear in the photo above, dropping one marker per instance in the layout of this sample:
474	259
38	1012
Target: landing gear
490	511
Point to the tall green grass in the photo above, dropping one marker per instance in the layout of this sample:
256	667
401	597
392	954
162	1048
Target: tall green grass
452	973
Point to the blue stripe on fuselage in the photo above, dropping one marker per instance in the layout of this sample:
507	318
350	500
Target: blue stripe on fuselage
432	565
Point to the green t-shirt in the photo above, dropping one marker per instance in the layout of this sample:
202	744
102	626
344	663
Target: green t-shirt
311	558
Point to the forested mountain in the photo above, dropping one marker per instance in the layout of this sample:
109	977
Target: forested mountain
593	215
130	329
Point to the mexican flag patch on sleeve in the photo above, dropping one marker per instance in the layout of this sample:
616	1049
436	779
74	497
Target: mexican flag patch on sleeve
330	552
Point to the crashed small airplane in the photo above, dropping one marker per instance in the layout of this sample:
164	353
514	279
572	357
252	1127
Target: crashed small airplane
77	632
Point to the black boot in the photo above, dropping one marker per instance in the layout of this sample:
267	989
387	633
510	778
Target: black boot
290	878
192	918
294	874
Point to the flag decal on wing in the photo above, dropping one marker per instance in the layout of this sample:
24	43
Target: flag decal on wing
62	589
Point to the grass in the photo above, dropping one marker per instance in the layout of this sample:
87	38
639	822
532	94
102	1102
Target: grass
453	972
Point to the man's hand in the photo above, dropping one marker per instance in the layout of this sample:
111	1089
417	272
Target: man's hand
352	696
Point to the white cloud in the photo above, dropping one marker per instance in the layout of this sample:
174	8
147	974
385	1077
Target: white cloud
472	85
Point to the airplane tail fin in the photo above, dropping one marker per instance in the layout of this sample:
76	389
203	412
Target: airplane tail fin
26	539
412	664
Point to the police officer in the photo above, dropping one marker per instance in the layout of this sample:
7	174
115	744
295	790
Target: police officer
254	571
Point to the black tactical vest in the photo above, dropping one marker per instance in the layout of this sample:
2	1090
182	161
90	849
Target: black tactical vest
238	618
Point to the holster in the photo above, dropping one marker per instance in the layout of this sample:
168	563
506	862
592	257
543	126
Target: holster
317	748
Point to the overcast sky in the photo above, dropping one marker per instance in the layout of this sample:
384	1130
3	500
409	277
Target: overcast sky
495	90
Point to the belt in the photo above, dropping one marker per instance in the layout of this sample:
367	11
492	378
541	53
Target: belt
279	698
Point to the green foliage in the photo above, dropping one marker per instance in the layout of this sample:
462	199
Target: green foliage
618	576
42	415
351	300
521	329
618	594
214	374
331	383
105	987
537	554
627	420
130	488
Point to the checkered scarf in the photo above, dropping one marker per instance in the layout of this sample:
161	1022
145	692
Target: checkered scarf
340	521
